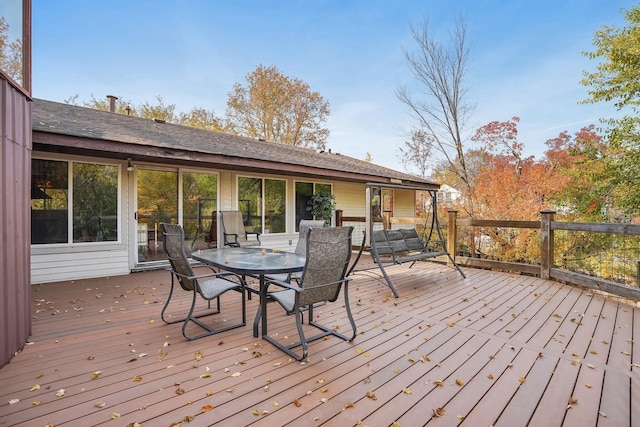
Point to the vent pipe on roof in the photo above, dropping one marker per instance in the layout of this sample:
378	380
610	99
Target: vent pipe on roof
112	103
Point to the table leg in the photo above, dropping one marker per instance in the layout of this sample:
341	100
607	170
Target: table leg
261	316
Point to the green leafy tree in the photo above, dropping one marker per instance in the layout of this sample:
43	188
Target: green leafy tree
617	79
277	108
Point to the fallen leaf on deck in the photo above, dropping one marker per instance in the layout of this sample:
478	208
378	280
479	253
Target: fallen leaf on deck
349	405
438	383
522	380
371	395
438	412
115	415
13	401
297	403
236	374
572	400
137	378
459	382
179	390
207	408
198	355
60	392
100	404
35	387
95	375
406	390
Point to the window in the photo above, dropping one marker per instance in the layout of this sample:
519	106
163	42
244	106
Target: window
263	203
85	201
15	41
304	191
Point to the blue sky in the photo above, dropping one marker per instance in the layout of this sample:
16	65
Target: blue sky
525	58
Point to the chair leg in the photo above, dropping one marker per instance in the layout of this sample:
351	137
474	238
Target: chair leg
304	340
165	317
208	329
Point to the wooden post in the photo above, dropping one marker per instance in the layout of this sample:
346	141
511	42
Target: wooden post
546	242
339	214
452	233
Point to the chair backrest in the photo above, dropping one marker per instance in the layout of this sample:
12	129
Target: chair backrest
173	239
232	223
303	228
328	256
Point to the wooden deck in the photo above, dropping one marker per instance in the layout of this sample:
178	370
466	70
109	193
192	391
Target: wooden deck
492	349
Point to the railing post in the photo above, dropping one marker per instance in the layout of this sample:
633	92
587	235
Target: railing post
546	242
452	232
339	214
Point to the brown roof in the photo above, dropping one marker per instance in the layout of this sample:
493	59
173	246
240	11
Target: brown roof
78	130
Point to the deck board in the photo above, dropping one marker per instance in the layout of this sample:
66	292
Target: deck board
520	347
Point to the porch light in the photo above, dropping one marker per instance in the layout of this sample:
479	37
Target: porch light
129	166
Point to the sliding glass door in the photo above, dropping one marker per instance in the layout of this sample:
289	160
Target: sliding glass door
177	197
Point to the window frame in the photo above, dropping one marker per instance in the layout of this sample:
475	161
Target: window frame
70	243
313	191
263	212
25	85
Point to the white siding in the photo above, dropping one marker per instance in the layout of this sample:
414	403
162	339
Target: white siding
79	264
351	198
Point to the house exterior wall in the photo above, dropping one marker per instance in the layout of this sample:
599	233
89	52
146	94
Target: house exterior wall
50	263
58	262
15	179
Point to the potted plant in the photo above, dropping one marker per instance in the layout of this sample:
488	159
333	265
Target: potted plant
322	206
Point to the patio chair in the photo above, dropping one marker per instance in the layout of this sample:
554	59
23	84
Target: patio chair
234	231
301	247
328	255
208	286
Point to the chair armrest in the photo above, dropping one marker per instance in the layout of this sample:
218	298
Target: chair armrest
257	233
230	238
283	285
205	276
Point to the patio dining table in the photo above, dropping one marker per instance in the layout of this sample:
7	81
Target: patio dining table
256	262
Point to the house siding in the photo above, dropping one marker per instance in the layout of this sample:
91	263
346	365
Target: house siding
15	220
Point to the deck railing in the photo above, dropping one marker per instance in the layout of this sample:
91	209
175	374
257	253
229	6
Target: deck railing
599	256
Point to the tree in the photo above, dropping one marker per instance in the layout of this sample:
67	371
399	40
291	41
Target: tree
617	79
441	111
10	53
197	117
277	108
201	118
417	152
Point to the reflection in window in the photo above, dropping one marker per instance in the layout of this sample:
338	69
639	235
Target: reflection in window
49	201
199	206
94	202
267	218
11	40
304	191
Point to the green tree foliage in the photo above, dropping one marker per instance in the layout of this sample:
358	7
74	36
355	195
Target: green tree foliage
617	80
277	108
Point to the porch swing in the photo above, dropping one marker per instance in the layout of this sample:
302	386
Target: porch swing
391	246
